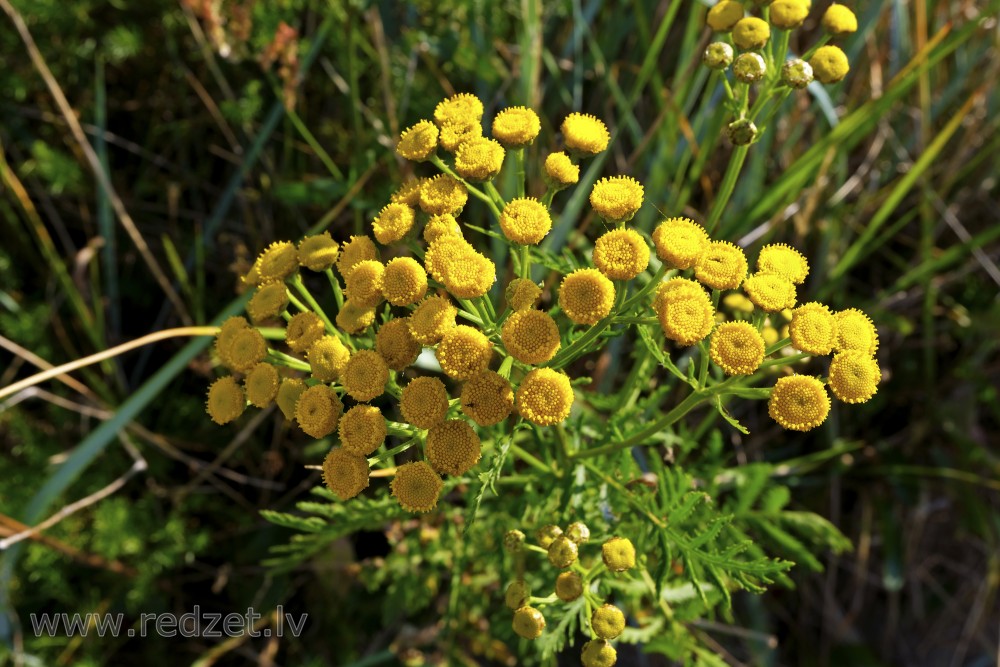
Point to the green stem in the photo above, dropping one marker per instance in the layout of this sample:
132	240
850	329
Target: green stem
580	345
338	294
550	193
727	187
653	283
288	360
781	361
390	453
777	346
296	282
323	156
531	460
519	162
525	256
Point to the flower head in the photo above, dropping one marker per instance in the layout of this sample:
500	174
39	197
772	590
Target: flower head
522	293
303	330
442	194
365	375
226	401
487	398
799	403
462	108
586	296
737	348
453	447
608	621
327	358
318	410
724	15
418	142
241	347
424	402
445	253
722	266
356	250
680	242
797	73
517	594
516	127
530	336
362	429
718	56
598	652
363	285
268	302
319	252
569	586
854	376
404	281
563	552
784	261
277	262
789	14
544	397
770	292
528	623
742	131
616	198
463	352
749	68
525	221
685	311
261	385
839	20
621	254
345	473
416	486
441	225
354	317
855	331
289	392
431	319
618	554
585	133
408	193
470	277
813	328
454	135
751	33
393	222
547	534
560	172
479	159
396	344
829	64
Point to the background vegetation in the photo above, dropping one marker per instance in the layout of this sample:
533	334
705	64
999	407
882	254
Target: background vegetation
889	184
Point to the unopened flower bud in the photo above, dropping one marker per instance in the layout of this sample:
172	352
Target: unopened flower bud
512	541
547	534
797	73
718	55
749	67
742	132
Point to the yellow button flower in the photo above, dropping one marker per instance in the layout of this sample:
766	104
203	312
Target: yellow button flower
354	317
470	277
618	554
288	395
418	142
479	159
737	348
363	285
404	281
788	14
261	385
303	330
621	254
463	352
356	250
240	347
751	33
584	133
327	358
454	135
738	302
569	586
813	328
528	623
441	225
855	331
598	652
277	262
685	311
424	402
544	397
396	344
586	296
680	242
722	266
416	486
839	20
608	621
829	64
783	260
560	172
431	319
462	108
516	127
393	222
226	401
530	336
445	253
616	198
522	293
345	473
318	410
365	375
453	447
442	194
770	291
268	302
854	376
362	430
799	403
487	398
319	252
408	193
724	15
525	221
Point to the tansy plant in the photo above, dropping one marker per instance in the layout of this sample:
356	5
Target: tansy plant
413	355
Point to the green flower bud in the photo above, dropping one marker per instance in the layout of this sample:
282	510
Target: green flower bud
569	586
742	132
578	532
718	55
608	621
562	552
517	594
528	622
797	73
598	653
512	541
547	534
618	554
749	67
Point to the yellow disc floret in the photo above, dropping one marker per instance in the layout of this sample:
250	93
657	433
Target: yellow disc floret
261	385
813	328
680	242
525	221
569	586
462	108
829	64
268	302
454	135
584	133
522	293
788	14
598	652
442	194
616	198
453	447
530	336
363	285
356	250
441	225
516	127
463	352
396	344
685	311
722	266
318	410
621	254
424	402
724	15
446	253
784	261
319	252
408	193
544	397
855	331
362	429
288	395
404	281
618	554
479	159
277	262
327	358
560	172
354	317
365	375
303	330
839	20
487	398
416	486
770	292
608	621
345	473
751	33
799	403
226	401
393	222
586	296
854	376
737	348
418	142
528	623
471	276
431	319
242	348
